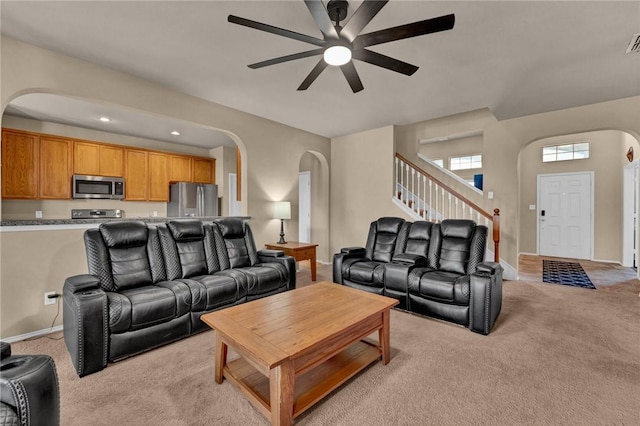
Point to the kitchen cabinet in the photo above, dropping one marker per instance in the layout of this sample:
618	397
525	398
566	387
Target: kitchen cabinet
204	170
20	156
179	168
98	159
136	175
158	176
55	168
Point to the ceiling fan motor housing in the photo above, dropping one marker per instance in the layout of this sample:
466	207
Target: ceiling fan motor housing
337	10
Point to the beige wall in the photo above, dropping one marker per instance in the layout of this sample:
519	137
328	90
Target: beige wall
458	147
32	264
266	146
606	155
362	182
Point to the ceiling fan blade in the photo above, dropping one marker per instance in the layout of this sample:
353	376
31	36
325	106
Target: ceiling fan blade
275	30
428	26
384	61
361	17
350	73
286	58
320	15
315	72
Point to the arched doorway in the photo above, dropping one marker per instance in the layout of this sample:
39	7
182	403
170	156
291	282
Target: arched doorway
313	197
606	161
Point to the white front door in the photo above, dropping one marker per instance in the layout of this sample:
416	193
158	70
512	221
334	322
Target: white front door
304	213
565	215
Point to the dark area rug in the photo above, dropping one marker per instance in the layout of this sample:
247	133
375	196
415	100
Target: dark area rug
567	273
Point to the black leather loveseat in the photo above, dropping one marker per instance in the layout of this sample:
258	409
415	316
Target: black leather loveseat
149	284
434	269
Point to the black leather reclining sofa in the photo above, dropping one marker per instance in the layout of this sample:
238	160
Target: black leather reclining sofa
149	284
434	269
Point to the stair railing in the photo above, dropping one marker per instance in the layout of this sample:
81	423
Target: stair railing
434	200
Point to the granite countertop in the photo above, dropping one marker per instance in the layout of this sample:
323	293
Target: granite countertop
59	222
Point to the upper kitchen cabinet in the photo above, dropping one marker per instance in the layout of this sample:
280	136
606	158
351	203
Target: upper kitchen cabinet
184	168
204	170
158	176
55	167
20	152
179	168
98	159
136	175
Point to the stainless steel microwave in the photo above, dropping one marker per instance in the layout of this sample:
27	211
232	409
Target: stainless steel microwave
98	187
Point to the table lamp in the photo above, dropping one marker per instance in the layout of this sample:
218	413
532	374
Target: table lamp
282	211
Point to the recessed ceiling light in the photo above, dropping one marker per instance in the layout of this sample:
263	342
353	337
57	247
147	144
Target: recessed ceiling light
175	133
105	119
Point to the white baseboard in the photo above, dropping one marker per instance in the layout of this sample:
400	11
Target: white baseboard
32	334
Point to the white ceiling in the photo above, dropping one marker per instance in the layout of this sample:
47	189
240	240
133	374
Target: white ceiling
515	57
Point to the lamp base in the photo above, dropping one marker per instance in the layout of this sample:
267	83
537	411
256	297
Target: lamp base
282	241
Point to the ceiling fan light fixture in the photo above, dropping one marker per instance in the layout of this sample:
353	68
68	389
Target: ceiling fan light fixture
337	55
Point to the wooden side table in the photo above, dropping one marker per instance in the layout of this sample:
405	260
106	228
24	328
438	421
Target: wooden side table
299	251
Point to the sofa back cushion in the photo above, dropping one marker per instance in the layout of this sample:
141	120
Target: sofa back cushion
189	240
126	248
455	244
418	238
384	236
234	243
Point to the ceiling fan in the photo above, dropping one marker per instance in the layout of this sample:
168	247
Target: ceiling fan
341	44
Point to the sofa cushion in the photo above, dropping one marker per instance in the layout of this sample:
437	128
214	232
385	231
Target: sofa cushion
456	245
186	230
124	234
148	305
130	267
443	286
418	238
364	272
383	237
211	291
188	237
265	277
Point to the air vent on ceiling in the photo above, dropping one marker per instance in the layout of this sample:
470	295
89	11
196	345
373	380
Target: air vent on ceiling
634	44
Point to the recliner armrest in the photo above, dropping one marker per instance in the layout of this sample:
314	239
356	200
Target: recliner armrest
353	250
410	259
270	253
490	267
81	283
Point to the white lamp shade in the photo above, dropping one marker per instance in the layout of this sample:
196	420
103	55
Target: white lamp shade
282	210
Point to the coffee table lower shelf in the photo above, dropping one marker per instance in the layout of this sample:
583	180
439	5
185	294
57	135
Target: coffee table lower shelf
311	386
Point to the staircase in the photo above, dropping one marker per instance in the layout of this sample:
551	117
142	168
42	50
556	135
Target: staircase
425	197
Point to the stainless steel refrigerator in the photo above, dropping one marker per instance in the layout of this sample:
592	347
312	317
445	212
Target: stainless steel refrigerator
192	199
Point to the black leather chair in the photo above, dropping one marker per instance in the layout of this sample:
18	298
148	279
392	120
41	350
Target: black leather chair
363	267
29	393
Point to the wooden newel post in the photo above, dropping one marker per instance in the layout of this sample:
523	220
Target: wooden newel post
496	235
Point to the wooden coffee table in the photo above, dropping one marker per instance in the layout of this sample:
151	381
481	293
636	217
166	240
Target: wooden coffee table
296	347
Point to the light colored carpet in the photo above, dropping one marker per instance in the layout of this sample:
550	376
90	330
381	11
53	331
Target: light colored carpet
557	355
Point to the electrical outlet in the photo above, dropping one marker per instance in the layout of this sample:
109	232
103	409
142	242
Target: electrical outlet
155	213
47	300
38	214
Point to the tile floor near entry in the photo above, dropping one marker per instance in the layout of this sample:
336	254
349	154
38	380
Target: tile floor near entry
605	276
